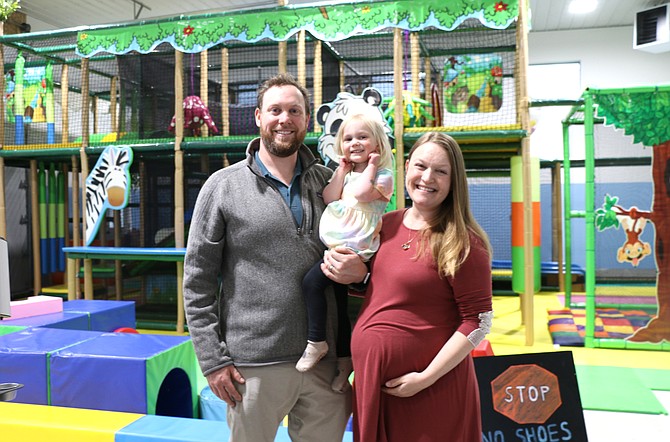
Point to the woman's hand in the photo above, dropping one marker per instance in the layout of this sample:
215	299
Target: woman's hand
406	385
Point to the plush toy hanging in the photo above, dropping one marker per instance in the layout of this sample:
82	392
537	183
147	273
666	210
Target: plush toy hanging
195	113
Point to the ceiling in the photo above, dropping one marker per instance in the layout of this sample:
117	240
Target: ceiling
547	15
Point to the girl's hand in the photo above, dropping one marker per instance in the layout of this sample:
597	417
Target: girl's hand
345	164
374	159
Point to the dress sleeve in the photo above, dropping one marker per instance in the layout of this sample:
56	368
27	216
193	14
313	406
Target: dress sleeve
384	182
472	287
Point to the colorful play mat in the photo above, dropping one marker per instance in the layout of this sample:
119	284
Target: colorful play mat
566	326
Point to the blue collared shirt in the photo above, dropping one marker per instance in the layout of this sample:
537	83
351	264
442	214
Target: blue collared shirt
290	193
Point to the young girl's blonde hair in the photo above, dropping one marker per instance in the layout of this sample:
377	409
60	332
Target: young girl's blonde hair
379	136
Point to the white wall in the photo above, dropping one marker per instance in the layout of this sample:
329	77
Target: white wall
607	60
606	55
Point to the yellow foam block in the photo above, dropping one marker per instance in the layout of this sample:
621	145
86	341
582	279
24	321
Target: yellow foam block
60	424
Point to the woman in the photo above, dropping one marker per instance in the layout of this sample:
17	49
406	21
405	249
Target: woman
428	304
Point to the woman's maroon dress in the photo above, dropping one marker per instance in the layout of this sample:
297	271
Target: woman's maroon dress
408	315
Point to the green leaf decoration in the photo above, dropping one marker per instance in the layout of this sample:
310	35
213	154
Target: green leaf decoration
643	114
7	8
605	217
326	23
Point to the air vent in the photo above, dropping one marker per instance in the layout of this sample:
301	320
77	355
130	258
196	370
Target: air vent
652	29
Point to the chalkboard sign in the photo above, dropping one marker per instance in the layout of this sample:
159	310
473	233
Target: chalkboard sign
530	398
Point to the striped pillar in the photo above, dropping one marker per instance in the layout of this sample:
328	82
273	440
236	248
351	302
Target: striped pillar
52	223
61	220
518	262
44	240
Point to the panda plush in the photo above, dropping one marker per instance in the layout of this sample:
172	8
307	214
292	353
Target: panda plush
331	115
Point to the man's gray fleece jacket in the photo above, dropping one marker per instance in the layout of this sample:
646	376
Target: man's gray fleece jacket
245	260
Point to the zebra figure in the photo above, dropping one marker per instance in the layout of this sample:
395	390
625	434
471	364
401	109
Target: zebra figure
107	186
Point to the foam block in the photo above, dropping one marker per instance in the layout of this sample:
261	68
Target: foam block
166	429
24	422
136	373
62	320
483	349
7	329
36	305
24	357
105	316
211	407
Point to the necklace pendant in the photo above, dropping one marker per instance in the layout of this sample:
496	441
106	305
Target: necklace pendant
405	246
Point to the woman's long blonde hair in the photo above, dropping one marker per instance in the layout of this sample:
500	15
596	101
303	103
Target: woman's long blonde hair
447	234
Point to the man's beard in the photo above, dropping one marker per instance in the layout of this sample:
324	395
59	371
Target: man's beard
282	149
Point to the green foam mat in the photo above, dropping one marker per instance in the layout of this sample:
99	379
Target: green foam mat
654	379
616	389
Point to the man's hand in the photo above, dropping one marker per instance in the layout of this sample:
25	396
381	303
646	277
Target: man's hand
343	266
221	383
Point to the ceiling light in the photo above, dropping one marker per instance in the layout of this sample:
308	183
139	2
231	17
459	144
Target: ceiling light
582	6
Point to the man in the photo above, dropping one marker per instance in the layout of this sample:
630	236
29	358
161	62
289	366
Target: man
252	238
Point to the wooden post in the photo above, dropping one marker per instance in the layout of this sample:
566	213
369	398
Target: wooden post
318	82
88	263
557	223
3	209
179	184
302	68
225	97
415	59
35	228
527	305
282	48
94	111
281	57
74	288
118	268
398	130
113	106
428	80
204	86
3	204
65	170
65	105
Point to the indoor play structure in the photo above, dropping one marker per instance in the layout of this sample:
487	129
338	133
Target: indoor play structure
124	85
166	102
625	216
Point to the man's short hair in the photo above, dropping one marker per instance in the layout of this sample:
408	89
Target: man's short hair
278	81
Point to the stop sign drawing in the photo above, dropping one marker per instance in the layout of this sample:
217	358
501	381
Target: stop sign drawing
527	394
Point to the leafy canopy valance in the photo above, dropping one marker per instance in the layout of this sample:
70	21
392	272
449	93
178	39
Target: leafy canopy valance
643	113
325	22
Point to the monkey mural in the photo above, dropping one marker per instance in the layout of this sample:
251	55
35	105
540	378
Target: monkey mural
634	249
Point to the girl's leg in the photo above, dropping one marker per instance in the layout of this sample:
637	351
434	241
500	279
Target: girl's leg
343	348
314	286
344	367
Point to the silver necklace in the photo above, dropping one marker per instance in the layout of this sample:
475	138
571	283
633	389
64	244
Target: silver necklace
406	245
